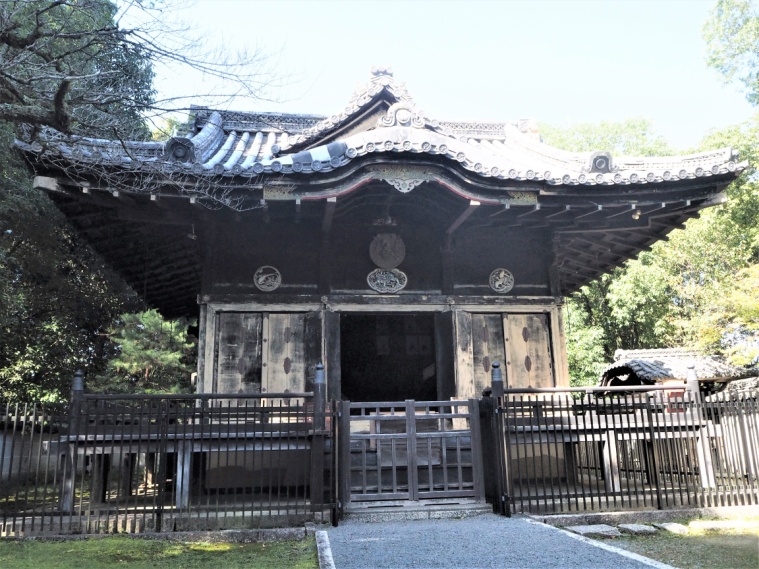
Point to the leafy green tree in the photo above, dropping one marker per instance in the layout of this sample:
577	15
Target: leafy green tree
585	345
732	40
151	355
68	65
63	64
697	289
75	66
721	302
56	295
610	313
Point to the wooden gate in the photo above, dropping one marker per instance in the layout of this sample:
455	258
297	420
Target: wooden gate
412	450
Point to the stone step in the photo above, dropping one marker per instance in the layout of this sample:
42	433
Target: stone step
637	529
421	510
595	530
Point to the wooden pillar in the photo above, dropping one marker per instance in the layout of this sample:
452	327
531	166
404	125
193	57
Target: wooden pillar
68	476
199	383
332	353
445	361
101	464
611	462
182	480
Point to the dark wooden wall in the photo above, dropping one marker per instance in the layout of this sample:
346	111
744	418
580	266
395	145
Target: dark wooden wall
272	340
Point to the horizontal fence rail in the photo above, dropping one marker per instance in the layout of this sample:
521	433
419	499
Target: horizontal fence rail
165	463
561	451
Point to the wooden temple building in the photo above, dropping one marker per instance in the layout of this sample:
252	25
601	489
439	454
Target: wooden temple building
404	252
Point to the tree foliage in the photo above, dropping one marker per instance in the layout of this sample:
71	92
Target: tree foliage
697	289
632	137
55	293
65	64
77	67
732	39
151	355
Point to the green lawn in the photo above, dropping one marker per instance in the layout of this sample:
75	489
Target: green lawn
735	548
113	552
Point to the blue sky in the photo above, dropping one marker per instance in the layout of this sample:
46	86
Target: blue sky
556	61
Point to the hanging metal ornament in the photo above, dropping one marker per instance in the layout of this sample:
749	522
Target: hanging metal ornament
387	250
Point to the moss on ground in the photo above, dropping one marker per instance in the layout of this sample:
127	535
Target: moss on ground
114	552
701	548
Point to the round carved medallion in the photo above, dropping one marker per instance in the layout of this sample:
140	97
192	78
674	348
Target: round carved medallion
387	250
385	281
267	278
501	280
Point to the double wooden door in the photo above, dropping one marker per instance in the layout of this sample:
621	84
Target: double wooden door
267	352
520	342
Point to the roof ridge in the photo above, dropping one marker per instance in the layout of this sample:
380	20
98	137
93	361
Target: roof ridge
382	80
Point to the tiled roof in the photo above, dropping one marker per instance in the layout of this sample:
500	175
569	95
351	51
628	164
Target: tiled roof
231	144
653	366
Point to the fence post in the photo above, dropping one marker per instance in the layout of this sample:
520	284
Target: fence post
317	441
498	462
493	458
320	398
69	461
496	381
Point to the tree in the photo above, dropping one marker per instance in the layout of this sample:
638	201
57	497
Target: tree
724	253
611	313
732	40
697	289
151	355
74	66
632	137
56	295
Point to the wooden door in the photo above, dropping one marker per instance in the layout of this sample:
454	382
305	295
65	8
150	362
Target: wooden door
520	342
479	343
238	364
527	340
260	352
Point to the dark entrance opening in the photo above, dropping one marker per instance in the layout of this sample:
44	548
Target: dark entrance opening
388	357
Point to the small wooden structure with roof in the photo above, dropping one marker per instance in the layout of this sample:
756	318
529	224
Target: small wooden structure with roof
649	367
404	252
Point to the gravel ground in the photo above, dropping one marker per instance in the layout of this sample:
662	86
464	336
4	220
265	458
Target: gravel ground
472	543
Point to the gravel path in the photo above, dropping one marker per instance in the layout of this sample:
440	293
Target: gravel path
486	541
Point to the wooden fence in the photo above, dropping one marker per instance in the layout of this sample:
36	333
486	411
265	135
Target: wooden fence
110	463
593	449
